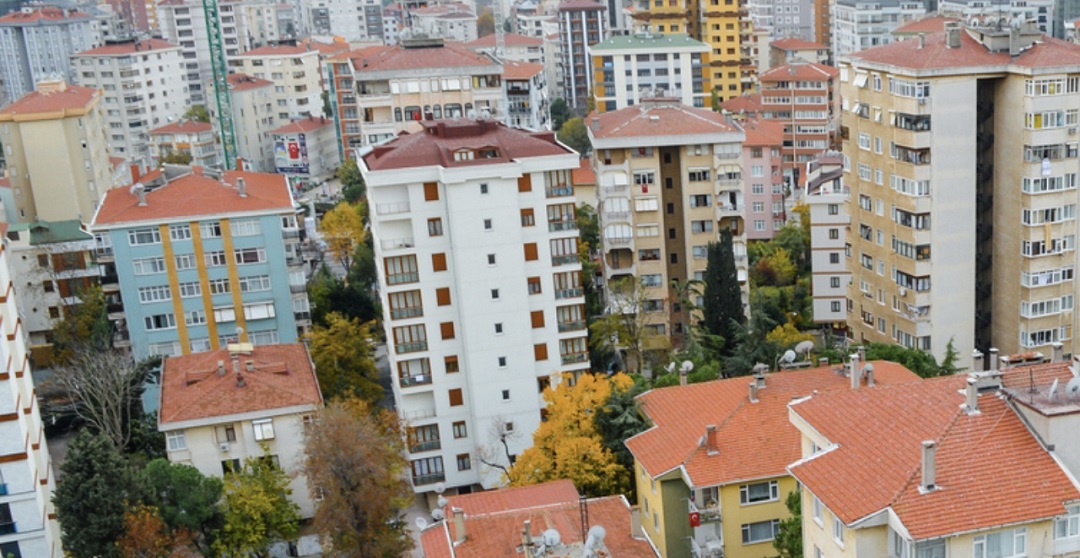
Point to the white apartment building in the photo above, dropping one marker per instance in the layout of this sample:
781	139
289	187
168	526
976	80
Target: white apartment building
196	139
254	118
36	43
306	150
353	20
476	244
1000	12
294	71
630	68
452	21
28	526
183	23
858	24
527	96
783	18
827	199
517	47
142	83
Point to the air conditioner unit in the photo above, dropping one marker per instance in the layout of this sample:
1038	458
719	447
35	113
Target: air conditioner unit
1072	131
224	447
903	291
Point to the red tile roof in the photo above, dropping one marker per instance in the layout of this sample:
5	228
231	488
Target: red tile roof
1048	52
70	98
584	175
244	82
118	49
436	143
661	118
42	14
274	50
990	468
795	43
495	501
929	24
184	127
745	103
195	195
512	69
192	388
304	125
803	71
755	440
326	49
397	57
511	39
580	5
764	132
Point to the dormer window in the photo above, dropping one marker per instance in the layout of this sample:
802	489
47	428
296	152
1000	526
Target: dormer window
464	155
487	153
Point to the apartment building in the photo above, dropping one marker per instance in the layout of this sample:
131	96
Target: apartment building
254	113
669	179
248	397
581	23
348	19
790	19
521	48
1040	13
526	96
139	15
963	225
826	197
380	92
925	439
857	25
764	183
183	23
294	71
36	44
202	259
805	98
629	68
306	151
712	483
56	153
189	138
28	526
452	21
787	51
477	250
142	83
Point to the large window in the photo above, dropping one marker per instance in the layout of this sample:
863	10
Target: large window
759	492
158	293
137	237
410	339
175	440
148	266
427	471
401	269
762	531
1068	525
1003	544
264	429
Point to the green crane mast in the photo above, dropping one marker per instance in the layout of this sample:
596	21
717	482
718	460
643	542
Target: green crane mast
221	83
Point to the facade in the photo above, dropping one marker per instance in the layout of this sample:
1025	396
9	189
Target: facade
196	276
351	20
1040	13
183	23
29	523
805	97
794	19
294	71
142	83
477	250
629	68
186	137
764	184
857	25
669	179
520	48
788	51
219	407
306	151
923	437
140	15
953	239
56	153
581	23
526	96
452	21
713	483
380	92
254	117
827	199
36	44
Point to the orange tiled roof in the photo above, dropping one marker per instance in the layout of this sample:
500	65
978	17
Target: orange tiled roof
44	13
743	103
326	48
303	125
584	175
183	127
511	39
662	118
117	49
192	389
397	57
274	50
929	24
755	440
1048	52
795	43
73	97
580	5
512	69
764	132
244	82
990	469
495	501
195	195
800	71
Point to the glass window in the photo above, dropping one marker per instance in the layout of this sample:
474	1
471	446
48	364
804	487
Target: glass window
264	429
762	531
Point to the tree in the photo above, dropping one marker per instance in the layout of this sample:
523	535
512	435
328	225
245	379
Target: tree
355	462
919	362
788	541
625	325
85	327
575	136
685	295
496	453
774	268
147	536
327	108
343	230
185	499
722	311
353	300
485	24
787	335
568	445
176	157
104	388
352	181
560	113
257	509
91	497
619	419
751	345
343	362
197	113
948	365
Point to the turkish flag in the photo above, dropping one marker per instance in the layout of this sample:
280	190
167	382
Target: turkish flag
294	150
695	519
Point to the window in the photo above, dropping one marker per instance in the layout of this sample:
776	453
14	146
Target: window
434	227
762	531
409	339
446	330
250	255
179	232
159	293
160	321
214	259
502	362
456	398
758	492
494	294
464	463
210	230
438	262
506	395
451	364
246	227
816	507
534	285
431	191
185	261
531	252
527	217
264	429
220	286
138	237
460	430
483	188
487	225
1003	544
400	270
498	329
190	290
1068	525
255	284
195	317
175	440
491	259
540	352
838	531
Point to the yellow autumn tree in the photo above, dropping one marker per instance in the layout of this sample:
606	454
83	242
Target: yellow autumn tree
568	445
343	230
787	336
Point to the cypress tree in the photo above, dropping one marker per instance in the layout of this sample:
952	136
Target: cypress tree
723	309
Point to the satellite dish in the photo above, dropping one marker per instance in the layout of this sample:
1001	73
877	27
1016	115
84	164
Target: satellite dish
1072	389
421	523
437	514
686	366
868	369
789	356
670	367
760	367
441	501
595	540
440	487
804	347
1053	390
239	330
551	538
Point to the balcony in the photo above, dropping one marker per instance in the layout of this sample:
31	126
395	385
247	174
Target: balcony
425	446
617	215
418	414
575	358
290	233
398	243
115	312
569	293
402	278
405	313
556	226
302	316
104	254
429	479
618	240
297	288
294	260
419	380
560	191
571	326
728	183
731	210
392	208
709	512
568	259
7	528
414	347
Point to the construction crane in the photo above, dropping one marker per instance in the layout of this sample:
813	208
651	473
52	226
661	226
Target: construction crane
221	84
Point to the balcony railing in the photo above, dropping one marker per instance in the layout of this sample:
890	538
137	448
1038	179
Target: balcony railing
413	347
564	260
617	214
571	326
7	528
392	208
298	288
302	316
398	243
576	357
404	313
290	233
418	414
569	293
418	380
618	240
428	479
560	191
402	278
554	226
425	446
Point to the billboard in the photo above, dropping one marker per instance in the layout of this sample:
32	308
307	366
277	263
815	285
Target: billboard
290	154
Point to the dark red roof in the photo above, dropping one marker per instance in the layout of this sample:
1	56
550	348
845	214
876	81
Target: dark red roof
118	49
1047	53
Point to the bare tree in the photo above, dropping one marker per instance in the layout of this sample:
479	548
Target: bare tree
496	455
102	387
629	322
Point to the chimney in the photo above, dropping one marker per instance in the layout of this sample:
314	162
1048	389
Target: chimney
1059	353
853	371
922	41
140	191
993	359
759	379
952	34
249	365
220	368
972	393
823	362
635	523
753	392
136	173
869	371
240	380
862	353
682	377
710	440
459	525
929	471
526	538
976	361
241	187
594	123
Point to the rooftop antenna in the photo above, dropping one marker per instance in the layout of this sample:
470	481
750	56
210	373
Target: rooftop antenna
1052	394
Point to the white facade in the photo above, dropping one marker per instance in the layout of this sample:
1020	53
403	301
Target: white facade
353	20
454	22
1041	12
295	74
184	24
37	43
527	96
143	87
857	25
254	117
783	18
829	220
640	66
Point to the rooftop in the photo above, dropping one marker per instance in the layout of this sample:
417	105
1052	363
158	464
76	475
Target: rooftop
802	71
1044	387
275	50
649	42
244	82
41	15
763	132
444	9
934	23
326	48
657	118
744	103
580	5
437	143
795	43
510	39
398	57
184	127
303	125
1046	52
512	69
53	100
862	473
755	440
47	232
195	194
222	383
128	47
584	175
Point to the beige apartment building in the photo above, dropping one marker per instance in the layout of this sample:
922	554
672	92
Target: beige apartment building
55	147
254	117
294	71
669	179
961	156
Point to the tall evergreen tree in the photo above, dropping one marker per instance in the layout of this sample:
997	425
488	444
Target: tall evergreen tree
722	311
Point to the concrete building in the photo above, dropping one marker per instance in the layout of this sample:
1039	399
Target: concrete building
29	527
783	19
963	223
827	198
380	92
669	179
294	71
306	151
790	51
220	407
196	140
142	83
764	183
857	25
452	21
351	20
925	436
805	97
582	23
527	96
716	466
1040	13
201	260
36	44
520	48
56	154
629	68
183	23
477	250
254	117
138	15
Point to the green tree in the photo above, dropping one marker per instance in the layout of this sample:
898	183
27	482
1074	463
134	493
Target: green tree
147	536
176	157
185	499
575	136
343	230
343	361
722	311
485	23
355	460
327	108
85	327
919	362
352	181
751	345
257	509
96	484
788	542
619	419
353	300
624	326
560	113
948	365
774	269
197	113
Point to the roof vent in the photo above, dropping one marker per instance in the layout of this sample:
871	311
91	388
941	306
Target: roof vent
929	467
241	187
